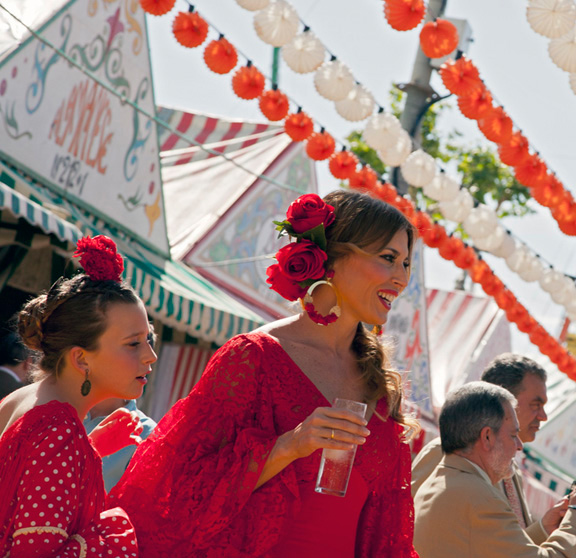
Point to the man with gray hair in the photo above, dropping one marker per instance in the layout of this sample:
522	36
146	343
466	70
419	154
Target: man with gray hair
460	513
526	380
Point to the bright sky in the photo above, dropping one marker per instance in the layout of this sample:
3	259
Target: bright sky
513	60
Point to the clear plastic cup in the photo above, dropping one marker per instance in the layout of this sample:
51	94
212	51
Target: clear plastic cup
336	465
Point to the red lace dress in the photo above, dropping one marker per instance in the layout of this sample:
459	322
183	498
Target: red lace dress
189	487
52	493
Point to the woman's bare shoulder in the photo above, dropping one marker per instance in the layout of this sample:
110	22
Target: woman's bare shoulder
16	404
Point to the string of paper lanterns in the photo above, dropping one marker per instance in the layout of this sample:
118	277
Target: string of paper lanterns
462	78
404	15
321	146
556	20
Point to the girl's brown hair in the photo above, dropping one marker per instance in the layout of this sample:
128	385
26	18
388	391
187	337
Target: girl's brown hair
364	223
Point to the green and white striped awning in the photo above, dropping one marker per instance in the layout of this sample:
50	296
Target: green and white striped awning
172	292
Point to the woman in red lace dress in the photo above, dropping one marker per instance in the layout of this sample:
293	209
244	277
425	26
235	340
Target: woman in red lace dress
231	470
92	333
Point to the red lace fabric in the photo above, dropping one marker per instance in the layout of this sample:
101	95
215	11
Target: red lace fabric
52	493
189	487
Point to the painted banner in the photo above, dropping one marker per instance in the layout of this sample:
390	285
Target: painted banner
407	326
78	132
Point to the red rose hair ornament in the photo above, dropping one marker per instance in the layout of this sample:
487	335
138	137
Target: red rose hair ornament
99	258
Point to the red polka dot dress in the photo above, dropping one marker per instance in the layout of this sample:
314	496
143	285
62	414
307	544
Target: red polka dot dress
52	493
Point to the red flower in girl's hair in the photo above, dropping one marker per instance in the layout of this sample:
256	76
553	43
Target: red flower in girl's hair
99	258
309	211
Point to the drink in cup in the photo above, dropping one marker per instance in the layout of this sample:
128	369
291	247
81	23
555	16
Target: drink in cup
336	465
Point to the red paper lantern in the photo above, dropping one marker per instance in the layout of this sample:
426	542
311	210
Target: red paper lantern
526	324
515	151
404	15
505	299
438	38
451	248
386	192
342	165
365	179
274	105
298	126
461	76
567	226
479	271
406	206
550	193
516	312
496	125
435	236
476	104
189	29
466	259
422	222
538	335
157	7
220	56
492	285
248	82
566	209
532	172
320	146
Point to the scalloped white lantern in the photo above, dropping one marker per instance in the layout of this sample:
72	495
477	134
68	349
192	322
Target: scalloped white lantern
552	280
419	168
304	53
515	260
531	268
459	208
563	51
253	5
397	153
491	242
570	305
551	18
506	248
441	188
277	24
481	221
381	130
333	80
566	293
358	104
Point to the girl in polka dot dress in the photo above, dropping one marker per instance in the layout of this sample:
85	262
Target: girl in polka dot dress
92	331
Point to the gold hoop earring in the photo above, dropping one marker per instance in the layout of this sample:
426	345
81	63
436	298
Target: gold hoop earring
86	385
377	330
308	305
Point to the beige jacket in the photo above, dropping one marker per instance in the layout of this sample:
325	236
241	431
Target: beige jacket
460	515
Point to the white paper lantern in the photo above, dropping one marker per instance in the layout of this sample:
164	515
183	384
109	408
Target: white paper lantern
481	221
381	130
333	80
304	53
570	305
551	18
277	24
506	248
459	208
442	188
419	168
551	280
531	268
358	104
565	293
515	260
397	153
491	242
563	51
253	5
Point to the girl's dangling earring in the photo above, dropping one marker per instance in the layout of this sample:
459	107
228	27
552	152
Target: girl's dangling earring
377	330
86	385
308	303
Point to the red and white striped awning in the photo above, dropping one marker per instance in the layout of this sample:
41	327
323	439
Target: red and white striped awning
218	134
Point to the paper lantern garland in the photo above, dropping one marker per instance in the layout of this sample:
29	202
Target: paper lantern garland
274	105
248	82
298	126
157	7
403	15
277	24
190	29
438	38
220	56
304	53
320	146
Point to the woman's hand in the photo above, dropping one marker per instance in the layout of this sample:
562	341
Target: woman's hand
119	429
326	427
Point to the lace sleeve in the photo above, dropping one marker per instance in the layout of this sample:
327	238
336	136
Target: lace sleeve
54	503
199	468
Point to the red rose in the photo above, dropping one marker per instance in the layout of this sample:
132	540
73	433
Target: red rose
286	288
302	260
309	211
99	258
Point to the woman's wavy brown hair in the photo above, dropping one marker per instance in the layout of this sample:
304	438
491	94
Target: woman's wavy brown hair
71	314
366	224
